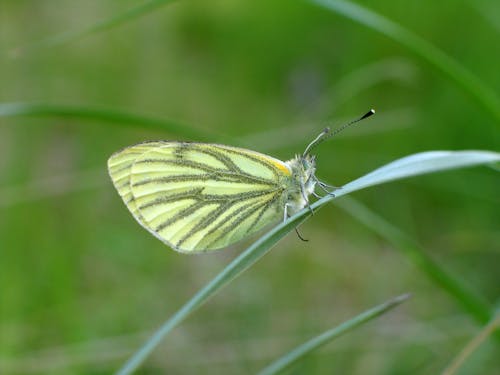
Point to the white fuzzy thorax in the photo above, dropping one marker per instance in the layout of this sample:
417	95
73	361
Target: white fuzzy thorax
302	183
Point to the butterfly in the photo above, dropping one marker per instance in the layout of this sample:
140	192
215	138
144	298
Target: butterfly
199	197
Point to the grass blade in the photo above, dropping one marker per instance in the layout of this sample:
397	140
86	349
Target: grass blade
450	67
473	345
69	36
473	304
51	186
418	164
101	114
246	259
301	351
425	162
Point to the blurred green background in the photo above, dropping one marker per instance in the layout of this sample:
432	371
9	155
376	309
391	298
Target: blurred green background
82	285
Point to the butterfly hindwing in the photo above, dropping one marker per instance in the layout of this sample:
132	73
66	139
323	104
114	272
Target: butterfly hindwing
197	197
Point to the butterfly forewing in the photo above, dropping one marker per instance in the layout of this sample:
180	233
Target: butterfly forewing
198	197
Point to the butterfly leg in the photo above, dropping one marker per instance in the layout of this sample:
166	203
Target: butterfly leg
327	185
300	237
285	216
316	195
324	186
307	201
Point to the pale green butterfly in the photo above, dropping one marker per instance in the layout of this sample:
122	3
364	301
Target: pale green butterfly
197	197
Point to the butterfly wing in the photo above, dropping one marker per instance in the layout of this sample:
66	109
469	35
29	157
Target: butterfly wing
197	197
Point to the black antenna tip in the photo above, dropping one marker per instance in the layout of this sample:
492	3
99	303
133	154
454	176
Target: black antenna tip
327	133
368	114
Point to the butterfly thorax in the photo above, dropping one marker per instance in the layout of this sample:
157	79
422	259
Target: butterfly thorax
302	182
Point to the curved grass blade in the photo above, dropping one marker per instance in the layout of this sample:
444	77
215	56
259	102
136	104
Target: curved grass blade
69	36
475	305
301	351
101	114
51	186
246	259
472	345
418	164
489	11
392	69
264	244
450	67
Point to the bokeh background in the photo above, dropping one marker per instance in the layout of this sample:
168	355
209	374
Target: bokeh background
82	285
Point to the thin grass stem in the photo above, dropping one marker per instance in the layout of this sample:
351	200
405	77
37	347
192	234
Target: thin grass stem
444	63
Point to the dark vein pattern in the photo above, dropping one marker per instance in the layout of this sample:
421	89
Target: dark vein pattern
198	197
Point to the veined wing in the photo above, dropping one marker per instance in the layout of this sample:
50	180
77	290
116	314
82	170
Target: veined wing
197	197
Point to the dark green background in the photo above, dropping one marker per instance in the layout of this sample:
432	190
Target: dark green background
82	285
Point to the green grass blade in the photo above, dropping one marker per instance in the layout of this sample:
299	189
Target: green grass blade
101	114
473	345
301	351
425	162
106	24
418	164
475	305
437	58
246	259
51	186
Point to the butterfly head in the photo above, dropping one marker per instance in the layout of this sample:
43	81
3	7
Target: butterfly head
303	168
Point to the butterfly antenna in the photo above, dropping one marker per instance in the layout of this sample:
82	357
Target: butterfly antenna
327	133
